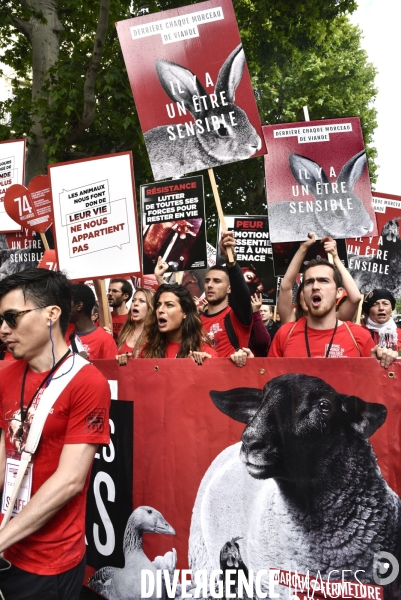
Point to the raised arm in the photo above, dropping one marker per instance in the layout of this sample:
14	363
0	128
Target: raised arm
348	308
240	297
161	267
284	302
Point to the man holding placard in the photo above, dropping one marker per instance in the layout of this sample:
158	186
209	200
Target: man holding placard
229	324
56	401
321	334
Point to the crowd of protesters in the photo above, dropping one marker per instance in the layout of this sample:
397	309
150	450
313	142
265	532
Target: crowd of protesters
49	326
230	321
238	325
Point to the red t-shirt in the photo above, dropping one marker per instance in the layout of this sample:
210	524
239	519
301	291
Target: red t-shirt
118	322
80	415
98	344
342	347
174	347
215	327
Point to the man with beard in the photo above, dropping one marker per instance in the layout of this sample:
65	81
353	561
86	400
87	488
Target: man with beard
118	294
228	318
321	334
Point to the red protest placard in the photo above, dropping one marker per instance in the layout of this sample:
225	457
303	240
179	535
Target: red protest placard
375	262
12	164
317	180
49	261
191	87
31	207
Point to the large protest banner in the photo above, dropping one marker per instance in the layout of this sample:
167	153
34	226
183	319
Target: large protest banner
314	488
253	253
317	180
173	224
375	262
191	88
95	219
12	167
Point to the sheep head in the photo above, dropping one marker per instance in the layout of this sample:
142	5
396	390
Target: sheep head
295	423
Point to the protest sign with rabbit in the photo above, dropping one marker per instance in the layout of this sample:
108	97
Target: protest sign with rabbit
317	180
375	262
192	88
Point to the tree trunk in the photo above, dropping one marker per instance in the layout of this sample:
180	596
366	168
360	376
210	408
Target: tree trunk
45	42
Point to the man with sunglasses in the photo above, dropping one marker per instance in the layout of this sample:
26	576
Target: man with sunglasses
45	542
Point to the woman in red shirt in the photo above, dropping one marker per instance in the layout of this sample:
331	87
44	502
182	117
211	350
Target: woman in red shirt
132	337
175	329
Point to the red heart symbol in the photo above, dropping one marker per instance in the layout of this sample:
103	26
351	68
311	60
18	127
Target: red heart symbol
31	207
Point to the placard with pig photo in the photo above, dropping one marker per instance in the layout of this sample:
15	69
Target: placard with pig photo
317	180
173	222
191	88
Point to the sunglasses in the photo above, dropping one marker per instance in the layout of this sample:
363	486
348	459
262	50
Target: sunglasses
11	316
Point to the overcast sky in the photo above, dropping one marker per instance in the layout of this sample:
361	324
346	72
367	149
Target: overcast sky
379	21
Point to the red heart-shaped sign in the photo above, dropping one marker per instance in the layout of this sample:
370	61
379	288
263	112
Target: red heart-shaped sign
31	207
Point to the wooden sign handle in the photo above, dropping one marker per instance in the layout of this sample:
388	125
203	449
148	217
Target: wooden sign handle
359	311
104	312
44	241
223	225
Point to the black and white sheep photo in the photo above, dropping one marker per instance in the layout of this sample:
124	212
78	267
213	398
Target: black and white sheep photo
303	489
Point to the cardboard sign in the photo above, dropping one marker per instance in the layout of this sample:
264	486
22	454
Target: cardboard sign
31	207
12	162
49	261
191	87
173	221
375	262
284	253
20	250
253	253
317	180
95	216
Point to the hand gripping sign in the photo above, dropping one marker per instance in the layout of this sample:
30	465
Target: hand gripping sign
95	216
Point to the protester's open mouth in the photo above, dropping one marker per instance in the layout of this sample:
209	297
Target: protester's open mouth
135	312
316	300
162	322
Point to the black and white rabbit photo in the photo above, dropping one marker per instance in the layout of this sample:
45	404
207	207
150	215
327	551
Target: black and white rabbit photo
216	132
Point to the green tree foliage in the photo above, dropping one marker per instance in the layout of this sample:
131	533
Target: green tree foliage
299	52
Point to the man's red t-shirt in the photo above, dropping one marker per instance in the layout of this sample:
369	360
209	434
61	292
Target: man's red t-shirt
118	322
80	415
215	327
342	346
98	344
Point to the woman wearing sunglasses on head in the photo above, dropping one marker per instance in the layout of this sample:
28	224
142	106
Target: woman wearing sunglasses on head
175	329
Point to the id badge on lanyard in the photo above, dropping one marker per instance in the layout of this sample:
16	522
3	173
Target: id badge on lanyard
24	494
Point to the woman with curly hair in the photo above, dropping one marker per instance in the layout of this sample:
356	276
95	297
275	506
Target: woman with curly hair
132	336
175	329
